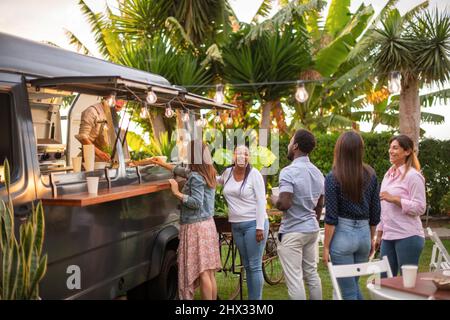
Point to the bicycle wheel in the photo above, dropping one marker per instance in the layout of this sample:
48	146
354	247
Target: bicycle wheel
272	270
229	277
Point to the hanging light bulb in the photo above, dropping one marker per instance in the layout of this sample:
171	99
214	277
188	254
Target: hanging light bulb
219	98
111	100
217	118
144	113
394	83
169	112
185	116
151	97
204	122
301	95
199	122
230	119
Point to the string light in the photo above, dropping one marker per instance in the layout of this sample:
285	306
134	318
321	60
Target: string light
144	113
394	83
219	98
230	119
169	112
217	118
301	95
151	97
185	116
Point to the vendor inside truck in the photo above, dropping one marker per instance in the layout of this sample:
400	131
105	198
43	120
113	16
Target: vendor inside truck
97	126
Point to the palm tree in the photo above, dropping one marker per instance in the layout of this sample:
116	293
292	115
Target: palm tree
418	46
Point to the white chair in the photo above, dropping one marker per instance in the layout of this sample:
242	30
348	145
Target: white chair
357	270
440	259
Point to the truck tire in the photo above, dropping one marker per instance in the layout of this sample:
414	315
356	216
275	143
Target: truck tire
165	285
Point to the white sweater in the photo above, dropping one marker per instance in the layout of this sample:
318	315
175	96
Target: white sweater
248	204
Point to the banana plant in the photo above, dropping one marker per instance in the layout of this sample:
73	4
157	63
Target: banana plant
22	265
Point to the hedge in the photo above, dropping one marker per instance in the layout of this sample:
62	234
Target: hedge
434	157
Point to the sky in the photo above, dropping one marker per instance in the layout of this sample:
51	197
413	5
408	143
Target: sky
46	20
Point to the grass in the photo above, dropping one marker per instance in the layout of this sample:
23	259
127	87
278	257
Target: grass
226	284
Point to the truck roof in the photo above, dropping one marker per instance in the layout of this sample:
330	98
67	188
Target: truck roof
34	59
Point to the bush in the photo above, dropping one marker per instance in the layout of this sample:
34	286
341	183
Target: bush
433	157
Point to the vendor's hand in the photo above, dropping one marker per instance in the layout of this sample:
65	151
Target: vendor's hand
274	199
103	156
156	160
174	186
377	244
259	235
326	255
386	196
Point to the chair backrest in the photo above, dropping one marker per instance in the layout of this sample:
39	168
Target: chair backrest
440	259
356	270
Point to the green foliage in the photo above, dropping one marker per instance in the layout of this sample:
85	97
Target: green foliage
445	203
434	158
22	265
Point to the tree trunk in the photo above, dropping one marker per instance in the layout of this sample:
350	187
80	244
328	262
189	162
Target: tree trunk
410	109
158	125
265	122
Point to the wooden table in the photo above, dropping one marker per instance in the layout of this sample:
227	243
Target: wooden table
106	195
424	288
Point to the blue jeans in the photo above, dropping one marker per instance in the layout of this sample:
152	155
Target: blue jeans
401	252
350	245
251	252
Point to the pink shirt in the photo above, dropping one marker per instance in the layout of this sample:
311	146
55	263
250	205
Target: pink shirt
399	223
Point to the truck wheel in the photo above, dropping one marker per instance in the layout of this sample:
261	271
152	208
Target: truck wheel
165	285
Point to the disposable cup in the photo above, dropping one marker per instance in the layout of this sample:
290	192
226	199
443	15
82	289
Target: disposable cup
89	156
76	164
92	184
276	191
409	273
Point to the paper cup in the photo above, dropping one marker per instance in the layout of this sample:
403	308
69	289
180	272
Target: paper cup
76	164
276	191
100	165
89	156
409	273
92	185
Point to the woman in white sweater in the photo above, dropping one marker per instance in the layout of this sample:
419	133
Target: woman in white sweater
244	191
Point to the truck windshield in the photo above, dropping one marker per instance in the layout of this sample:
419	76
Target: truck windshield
6	146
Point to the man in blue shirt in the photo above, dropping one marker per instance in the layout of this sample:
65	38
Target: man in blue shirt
301	200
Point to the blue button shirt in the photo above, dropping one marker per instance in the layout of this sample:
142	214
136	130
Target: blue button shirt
337	205
306	183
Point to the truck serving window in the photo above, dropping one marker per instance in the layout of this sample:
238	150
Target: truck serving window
6	146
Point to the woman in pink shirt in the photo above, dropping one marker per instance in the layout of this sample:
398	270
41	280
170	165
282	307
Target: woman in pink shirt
402	196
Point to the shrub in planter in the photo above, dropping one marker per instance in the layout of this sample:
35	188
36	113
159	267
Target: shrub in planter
22	265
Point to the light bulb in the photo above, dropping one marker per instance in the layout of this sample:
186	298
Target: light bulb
199	122
144	113
169	112
185	117
204	122
394	83
301	95
219	98
151	97
111	100
230	120
217	118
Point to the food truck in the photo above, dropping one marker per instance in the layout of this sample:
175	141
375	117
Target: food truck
123	240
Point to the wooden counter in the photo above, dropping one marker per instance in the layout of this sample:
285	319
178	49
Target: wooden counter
106	195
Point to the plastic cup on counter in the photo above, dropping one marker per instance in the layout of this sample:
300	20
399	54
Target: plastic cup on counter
76	164
92	185
89	157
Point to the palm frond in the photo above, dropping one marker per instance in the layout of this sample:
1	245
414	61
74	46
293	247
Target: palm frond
74	40
263	10
430	99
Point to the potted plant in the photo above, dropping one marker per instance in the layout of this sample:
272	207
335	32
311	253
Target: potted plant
22	264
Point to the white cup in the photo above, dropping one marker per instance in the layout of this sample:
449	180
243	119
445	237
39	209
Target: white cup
409	273
89	157
76	164
276	191
92	184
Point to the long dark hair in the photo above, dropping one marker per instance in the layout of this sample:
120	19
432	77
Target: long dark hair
406	144
248	169
201	162
348	166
